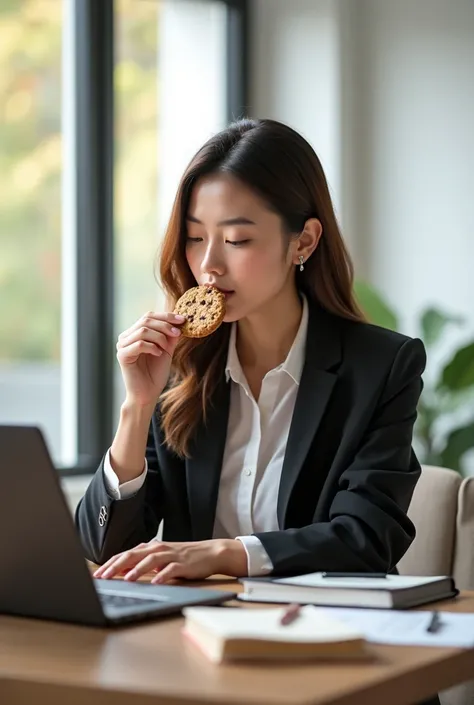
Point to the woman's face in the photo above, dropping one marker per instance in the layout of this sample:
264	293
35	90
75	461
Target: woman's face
237	244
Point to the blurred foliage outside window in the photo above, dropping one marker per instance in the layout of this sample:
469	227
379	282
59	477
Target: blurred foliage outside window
444	429
31	164
30	179
136	157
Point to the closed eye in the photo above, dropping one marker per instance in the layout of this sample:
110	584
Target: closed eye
237	243
234	243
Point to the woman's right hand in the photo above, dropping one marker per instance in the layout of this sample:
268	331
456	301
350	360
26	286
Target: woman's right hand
144	352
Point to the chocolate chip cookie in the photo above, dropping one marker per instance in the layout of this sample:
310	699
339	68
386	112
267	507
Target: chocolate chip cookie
204	309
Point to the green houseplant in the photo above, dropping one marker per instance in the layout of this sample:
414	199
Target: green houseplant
444	430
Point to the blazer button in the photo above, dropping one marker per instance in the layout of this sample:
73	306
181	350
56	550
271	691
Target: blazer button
102	515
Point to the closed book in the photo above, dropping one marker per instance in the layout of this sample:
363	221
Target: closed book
389	592
233	633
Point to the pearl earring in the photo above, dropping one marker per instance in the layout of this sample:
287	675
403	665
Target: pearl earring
301	263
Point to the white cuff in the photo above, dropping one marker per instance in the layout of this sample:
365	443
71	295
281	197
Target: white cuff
127	489
258	560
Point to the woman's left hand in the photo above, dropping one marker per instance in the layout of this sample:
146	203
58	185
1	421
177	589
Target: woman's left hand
193	560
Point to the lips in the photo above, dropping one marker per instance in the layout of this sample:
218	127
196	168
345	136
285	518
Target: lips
219	288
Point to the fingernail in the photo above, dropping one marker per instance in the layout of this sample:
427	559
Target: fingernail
175	331
179	318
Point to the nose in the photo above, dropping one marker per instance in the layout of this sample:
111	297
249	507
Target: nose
212	262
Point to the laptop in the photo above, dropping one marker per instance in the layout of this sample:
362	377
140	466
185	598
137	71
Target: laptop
43	572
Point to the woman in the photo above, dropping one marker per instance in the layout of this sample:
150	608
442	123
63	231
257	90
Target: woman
282	442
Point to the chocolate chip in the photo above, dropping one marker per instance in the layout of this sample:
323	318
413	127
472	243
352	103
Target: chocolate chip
202	303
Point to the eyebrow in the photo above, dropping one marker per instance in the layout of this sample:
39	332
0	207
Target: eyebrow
230	221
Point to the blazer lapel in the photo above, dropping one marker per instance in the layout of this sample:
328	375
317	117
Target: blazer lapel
203	468
323	352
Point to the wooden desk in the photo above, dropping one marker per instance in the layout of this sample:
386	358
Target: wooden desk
59	664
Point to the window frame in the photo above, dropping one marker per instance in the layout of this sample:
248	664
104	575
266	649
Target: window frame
94	210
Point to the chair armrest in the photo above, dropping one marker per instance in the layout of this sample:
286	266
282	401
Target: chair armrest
463	563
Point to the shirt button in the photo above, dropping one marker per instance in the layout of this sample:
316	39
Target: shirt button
248	472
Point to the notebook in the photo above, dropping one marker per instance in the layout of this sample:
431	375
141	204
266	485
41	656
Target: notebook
232	633
389	592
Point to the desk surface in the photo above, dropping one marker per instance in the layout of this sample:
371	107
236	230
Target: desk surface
47	662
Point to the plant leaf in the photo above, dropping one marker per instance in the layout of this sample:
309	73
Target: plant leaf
374	307
459	372
433	322
459	441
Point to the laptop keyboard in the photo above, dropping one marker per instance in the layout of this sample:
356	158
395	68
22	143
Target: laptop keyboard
125	602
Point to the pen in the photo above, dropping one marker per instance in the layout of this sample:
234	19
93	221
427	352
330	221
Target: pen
290	614
336	574
434	624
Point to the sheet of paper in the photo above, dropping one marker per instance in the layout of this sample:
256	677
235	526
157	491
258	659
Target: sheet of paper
406	628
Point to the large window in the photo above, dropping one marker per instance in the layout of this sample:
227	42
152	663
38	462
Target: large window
102	104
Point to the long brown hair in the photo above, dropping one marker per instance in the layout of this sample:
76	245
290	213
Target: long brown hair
282	168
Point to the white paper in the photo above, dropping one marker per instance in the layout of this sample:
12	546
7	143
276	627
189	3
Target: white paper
406	628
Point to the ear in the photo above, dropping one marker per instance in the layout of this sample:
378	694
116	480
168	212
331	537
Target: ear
308	241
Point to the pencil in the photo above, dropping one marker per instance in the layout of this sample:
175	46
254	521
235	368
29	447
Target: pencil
290	614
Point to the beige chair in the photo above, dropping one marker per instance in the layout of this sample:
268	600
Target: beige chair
442	510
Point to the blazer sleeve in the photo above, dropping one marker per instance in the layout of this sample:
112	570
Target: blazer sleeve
368	528
108	526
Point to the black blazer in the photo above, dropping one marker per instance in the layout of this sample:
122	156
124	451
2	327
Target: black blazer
348	475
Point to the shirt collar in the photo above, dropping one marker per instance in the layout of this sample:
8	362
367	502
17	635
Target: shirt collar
293	365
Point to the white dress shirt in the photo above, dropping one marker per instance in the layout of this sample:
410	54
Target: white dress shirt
257	434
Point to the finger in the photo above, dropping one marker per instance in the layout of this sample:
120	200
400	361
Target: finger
168	316
154	320
170	572
124	561
132	352
112	560
100	571
147	336
163	338
154	561
149	330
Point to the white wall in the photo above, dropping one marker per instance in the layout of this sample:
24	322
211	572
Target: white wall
399	154
420	151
